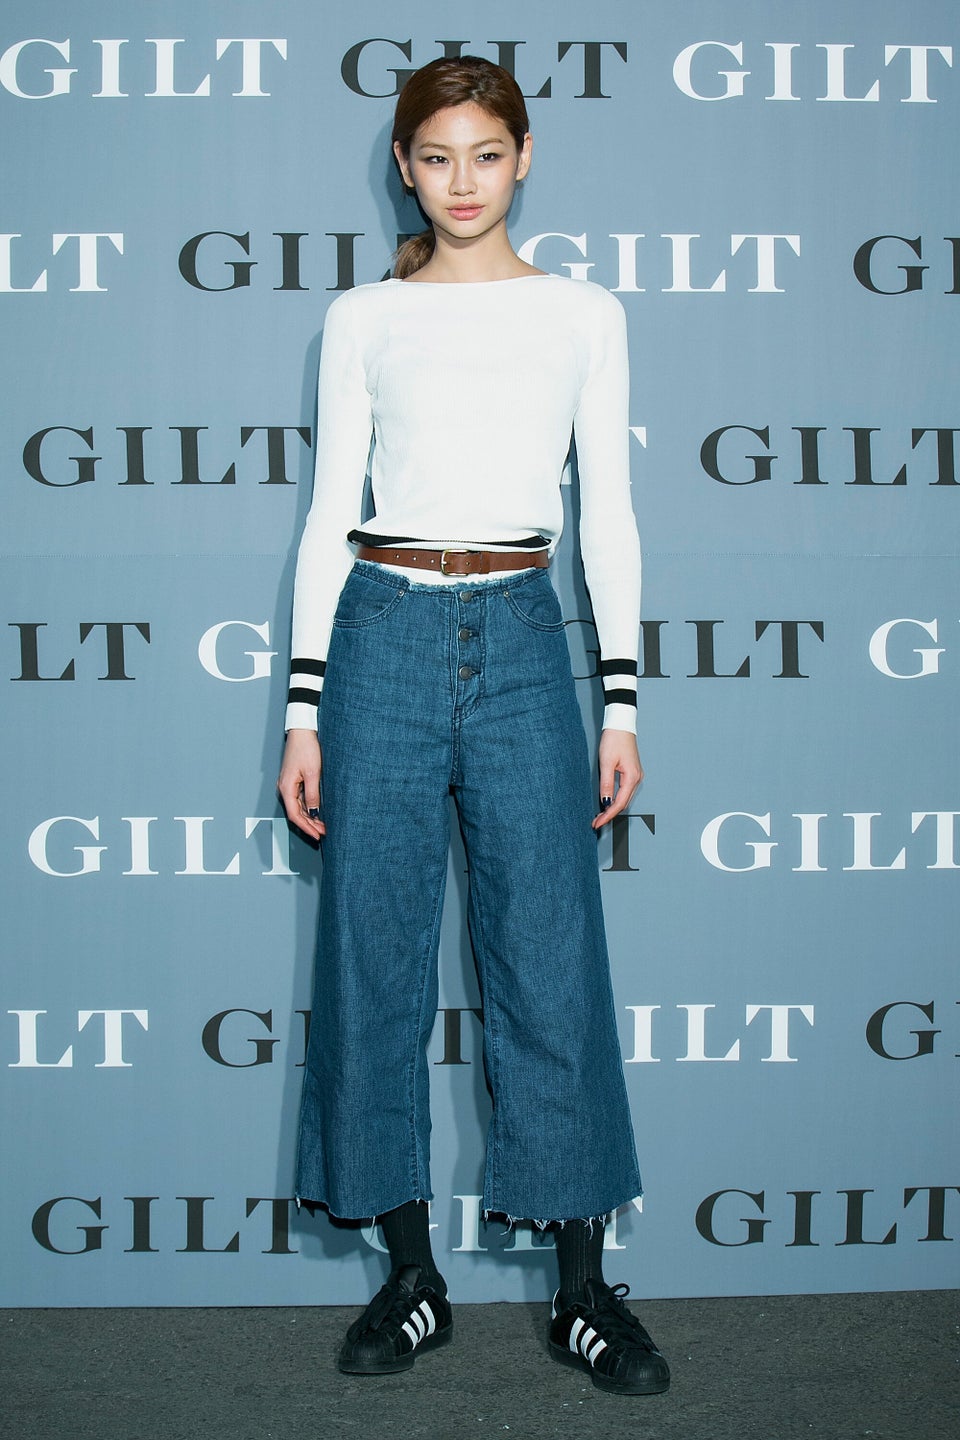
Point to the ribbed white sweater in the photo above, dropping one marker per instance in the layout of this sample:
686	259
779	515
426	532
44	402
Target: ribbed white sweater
470	393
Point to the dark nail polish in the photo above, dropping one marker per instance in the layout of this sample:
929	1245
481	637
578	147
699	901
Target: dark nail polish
606	801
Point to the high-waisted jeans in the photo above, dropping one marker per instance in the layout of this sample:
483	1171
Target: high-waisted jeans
466	689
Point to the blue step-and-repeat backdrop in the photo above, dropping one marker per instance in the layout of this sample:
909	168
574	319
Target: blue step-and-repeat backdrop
771	191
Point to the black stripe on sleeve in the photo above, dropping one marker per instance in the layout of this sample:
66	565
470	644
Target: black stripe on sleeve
308	667
620	697
301	693
618	667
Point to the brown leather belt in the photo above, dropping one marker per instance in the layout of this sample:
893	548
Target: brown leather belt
456	561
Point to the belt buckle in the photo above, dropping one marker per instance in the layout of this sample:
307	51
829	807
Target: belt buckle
462	550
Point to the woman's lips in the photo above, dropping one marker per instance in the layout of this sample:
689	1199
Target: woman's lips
465	212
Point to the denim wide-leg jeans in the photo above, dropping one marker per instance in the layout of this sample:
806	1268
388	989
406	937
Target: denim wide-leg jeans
466	688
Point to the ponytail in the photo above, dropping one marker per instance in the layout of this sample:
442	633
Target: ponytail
414	254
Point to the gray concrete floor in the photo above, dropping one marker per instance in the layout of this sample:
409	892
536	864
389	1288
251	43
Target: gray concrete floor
823	1367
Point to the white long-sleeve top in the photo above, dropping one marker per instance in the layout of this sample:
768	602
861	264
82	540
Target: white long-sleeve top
470	393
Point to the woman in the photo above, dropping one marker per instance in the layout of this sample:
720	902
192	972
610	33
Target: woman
437	639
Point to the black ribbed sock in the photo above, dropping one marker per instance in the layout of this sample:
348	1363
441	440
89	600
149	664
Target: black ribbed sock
580	1257
406	1231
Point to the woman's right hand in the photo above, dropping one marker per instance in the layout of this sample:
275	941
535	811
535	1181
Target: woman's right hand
299	782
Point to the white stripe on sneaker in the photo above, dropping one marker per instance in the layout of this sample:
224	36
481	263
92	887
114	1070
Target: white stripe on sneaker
586	1339
421	1323
595	1349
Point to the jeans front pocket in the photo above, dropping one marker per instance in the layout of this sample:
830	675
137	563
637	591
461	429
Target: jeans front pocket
364	600
536	604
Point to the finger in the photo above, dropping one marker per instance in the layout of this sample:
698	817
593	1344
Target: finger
609	766
291	788
311	794
629	776
314	828
314	814
608	812
609	794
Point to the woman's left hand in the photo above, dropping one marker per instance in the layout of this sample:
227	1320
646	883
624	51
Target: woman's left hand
618	760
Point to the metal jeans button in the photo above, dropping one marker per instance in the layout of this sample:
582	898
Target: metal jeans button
464	634
465	672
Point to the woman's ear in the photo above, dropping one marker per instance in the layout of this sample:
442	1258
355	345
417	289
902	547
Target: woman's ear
525	156
403	165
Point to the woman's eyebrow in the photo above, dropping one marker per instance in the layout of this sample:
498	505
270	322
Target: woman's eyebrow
478	145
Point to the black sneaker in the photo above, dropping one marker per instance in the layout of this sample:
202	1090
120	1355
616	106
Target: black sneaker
599	1334
403	1318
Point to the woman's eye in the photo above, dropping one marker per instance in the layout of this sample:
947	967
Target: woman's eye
490	155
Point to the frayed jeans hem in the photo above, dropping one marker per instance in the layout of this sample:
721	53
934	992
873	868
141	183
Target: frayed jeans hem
492	1213
365	1216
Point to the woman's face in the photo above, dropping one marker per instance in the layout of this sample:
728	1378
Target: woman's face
464	166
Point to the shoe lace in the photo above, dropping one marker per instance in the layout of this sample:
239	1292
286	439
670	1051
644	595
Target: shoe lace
621	1326
389	1304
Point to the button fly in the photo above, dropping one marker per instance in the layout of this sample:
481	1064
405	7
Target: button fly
464	633
466	594
465	672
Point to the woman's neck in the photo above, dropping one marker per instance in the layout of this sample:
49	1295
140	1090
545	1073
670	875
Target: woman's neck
469	264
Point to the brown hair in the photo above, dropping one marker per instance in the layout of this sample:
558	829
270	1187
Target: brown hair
452	80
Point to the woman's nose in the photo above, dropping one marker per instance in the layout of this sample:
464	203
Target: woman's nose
462	181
